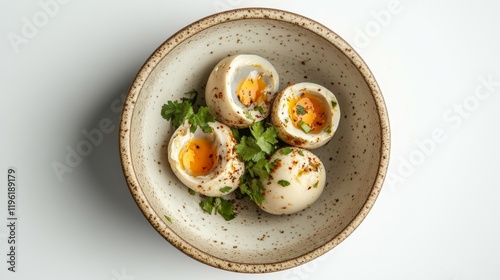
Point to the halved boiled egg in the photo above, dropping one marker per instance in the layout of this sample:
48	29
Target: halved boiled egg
241	89
206	162
295	183
306	115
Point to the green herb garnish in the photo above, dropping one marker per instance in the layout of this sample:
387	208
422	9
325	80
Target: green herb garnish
304	126
193	93
225	189
249	150
207	204
283	183
260	109
316	184
266	137
261	143
254	149
334	104
218	205
201	119
225	208
253	188
249	116
286	150
301	110
236	134
301	152
191	192
168	218
178	112
261	168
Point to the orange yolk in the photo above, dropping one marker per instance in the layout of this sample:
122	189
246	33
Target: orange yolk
251	91
310	110
198	157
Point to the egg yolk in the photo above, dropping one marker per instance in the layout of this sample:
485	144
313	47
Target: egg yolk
251	91
198	157
308	113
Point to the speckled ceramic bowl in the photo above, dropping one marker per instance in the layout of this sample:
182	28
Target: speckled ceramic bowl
356	158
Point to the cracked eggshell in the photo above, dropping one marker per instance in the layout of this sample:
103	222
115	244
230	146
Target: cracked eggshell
288	132
305	175
222	86
228	170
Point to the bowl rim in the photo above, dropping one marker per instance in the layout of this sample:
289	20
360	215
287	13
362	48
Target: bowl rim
185	33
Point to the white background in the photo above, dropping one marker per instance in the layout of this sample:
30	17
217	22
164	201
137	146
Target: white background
66	65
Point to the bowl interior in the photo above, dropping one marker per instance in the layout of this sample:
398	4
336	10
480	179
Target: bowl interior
352	158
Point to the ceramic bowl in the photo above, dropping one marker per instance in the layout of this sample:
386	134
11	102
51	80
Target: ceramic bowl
301	50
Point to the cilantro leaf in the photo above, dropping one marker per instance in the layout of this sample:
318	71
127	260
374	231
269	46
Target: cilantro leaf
286	150
257	129
193	93
177	112
220	205
254	149
301	110
260	109
334	104
236	133
249	116
283	183
225	189
268	140
225	208
253	188
265	138
207	204
249	150
201	119
261	168
260	145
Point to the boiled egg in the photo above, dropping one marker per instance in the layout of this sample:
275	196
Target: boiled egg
206	162
296	182
306	115
240	89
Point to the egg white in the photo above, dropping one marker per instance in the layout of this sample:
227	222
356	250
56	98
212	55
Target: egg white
296	136
306	176
228	170
221	90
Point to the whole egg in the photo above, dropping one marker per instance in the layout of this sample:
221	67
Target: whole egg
296	182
